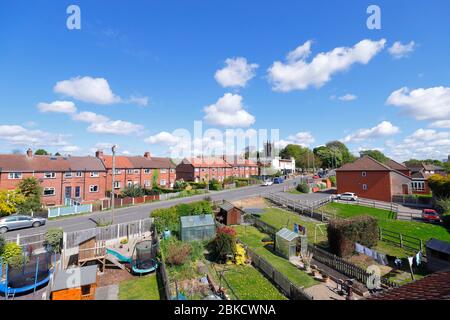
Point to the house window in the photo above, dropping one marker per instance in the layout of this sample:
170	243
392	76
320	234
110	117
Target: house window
93	189
418	185
147	183
172	170
364	186
163	170
116	184
162	182
77	192
68	175
14	175
49	175
129	171
118	171
49	192
94	174
196	169
79	174
129	183
136	171
147	171
364	173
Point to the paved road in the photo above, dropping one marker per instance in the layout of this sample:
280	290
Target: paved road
142	211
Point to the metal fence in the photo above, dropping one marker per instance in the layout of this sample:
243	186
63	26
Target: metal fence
291	291
129	229
69	210
344	267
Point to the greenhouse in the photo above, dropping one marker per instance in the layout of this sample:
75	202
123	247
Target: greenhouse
286	243
200	227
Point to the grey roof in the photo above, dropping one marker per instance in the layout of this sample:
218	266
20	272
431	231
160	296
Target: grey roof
254	210
287	234
197	221
75	277
439	245
227	206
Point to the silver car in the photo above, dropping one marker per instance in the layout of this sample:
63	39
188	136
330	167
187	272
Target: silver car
19	221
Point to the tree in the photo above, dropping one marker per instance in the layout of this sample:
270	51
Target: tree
329	158
342	148
10	200
224	244
31	189
41	152
375	154
57	154
304	157
440	186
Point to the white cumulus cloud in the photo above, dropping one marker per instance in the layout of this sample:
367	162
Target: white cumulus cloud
102	124
423	104
164	138
228	111
299	74
348	97
383	129
236	73
58	107
399	50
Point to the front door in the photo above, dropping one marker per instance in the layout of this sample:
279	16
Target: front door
405	189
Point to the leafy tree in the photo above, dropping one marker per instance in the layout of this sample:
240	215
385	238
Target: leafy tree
2	245
342	148
53	240
57	154
10	251
375	154
10	200
304	157
31	189
41	152
440	186
329	158
224	244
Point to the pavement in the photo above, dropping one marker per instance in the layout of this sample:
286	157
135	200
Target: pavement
134	213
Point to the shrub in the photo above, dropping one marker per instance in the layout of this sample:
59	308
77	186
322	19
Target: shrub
178	253
53	240
215	185
11	250
198	185
241	183
133	191
2	245
303	188
224	244
333	180
442	205
166	218
180	185
342	234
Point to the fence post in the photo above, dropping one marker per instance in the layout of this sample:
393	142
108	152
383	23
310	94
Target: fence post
401	240
132	201
421	245
118	231
18	239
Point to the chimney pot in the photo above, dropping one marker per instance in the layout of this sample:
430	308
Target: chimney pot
29	153
147	155
99	154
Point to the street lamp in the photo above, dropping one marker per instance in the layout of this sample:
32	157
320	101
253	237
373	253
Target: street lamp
114	147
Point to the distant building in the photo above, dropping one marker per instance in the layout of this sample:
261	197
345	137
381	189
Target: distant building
420	174
371	179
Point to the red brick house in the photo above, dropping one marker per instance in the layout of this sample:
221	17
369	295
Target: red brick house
139	170
76	178
371	179
203	169
242	168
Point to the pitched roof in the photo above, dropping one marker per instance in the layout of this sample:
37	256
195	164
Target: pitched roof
396	166
365	163
433	287
287	234
439	245
207	162
23	163
138	162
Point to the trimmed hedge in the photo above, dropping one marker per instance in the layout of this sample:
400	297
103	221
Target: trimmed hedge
303	188
342	234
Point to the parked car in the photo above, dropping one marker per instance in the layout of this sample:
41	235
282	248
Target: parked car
19	222
316	177
430	215
278	180
267	183
348	196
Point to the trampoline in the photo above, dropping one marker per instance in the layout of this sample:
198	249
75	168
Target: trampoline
142	260
31	275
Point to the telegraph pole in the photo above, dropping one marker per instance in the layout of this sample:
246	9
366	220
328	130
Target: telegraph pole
113	182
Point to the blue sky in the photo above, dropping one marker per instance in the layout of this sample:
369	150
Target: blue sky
143	69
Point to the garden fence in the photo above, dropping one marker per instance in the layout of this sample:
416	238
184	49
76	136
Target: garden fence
409	243
292	291
413	200
344	267
36	240
390	206
69	210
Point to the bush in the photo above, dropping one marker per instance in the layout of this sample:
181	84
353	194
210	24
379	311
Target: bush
152	192
224	244
198	185
178	253
342	234
53	240
215	185
241	183
333	180
11	250
2	245
180	185
133	191
442	205
303	188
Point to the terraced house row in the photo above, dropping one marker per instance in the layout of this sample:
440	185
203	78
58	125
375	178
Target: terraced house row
85	179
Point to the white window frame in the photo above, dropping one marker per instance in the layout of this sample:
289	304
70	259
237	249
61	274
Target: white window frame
79	174
15	175
136	171
116	184
163	182
51	175
91	187
364	173
163	170
129	171
147	171
49	189
68	174
365	187
129	183
95	174
118	171
147	183
197	170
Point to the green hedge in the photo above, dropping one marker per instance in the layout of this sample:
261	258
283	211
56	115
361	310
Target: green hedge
303	188
342	234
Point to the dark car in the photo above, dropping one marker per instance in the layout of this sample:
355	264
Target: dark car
278	180
430	215
19	222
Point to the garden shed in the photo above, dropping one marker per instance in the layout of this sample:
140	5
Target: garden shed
229	214
75	284
201	227
286	243
438	255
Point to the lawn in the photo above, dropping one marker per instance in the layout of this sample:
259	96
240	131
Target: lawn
280	219
249	284
252	237
423	231
144	288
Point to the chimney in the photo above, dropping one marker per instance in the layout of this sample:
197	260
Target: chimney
99	154
29	153
147	155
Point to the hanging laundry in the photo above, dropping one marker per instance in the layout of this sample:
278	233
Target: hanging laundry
419	258
398	263
359	248
410	261
368	252
381	259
